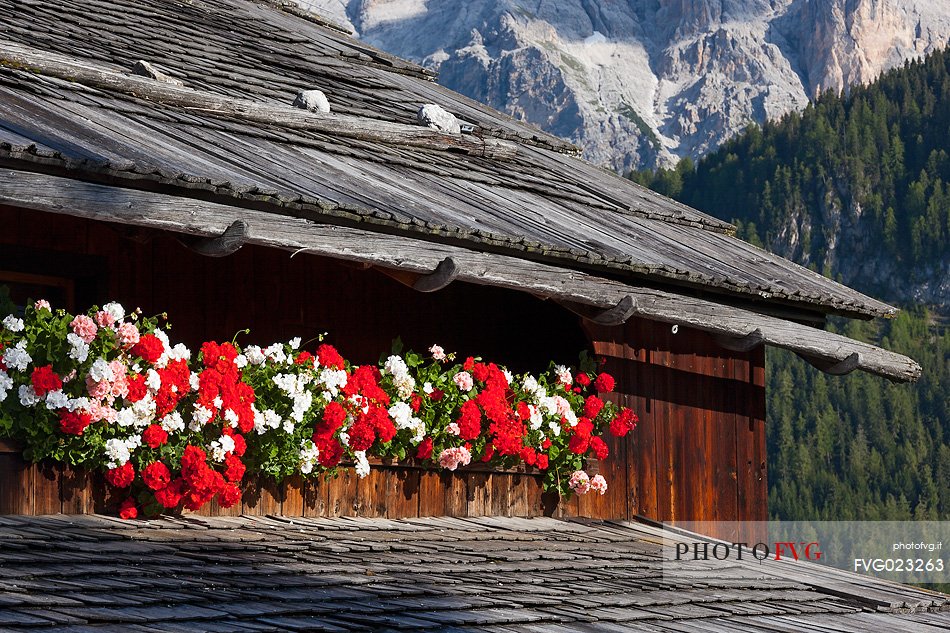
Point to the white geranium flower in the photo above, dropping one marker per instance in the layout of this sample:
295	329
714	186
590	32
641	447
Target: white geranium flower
126	417
117	452
221	447
265	420
101	370
231	418
173	422
537	418
404	384
115	310
255	355
401	414
309	454
78	404
56	400
294	343
28	397
153	380
395	365
79	350
333	380
362	464
13	324
6	384
17	357
164	358
563	374
275	353
199	418
179	352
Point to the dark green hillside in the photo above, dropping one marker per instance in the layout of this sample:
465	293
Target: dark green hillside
874	166
859	447
857	187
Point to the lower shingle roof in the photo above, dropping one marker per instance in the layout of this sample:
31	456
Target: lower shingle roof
84	573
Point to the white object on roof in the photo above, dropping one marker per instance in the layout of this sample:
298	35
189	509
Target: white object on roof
439	118
313	100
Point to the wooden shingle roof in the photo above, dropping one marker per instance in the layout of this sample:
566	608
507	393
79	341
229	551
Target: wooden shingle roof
506	575
70	107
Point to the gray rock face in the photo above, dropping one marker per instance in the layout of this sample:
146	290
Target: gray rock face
641	83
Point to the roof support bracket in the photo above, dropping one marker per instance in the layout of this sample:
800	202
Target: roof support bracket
444	273
616	315
740	343
835	368
228	243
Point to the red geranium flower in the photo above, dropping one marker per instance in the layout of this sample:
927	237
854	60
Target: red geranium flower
424	450
74	422
604	383
592	406
542	461
470	420
579	444
599	447
44	380
137	388
122	476
229	496
331	452
529	456
233	468
170	496
582	379
362	434
623	422
156	476
329	357
302	358
149	348
240	445
154	436
128	510
334	415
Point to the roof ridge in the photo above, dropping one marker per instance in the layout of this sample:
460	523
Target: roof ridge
94	75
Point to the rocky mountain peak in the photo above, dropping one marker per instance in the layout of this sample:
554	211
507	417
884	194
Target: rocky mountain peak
641	83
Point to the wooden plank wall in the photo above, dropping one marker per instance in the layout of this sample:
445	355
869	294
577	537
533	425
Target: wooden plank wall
698	453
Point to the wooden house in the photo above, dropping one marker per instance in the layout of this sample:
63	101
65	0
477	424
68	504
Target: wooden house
150	153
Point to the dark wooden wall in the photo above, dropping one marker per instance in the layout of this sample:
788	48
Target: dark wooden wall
698	454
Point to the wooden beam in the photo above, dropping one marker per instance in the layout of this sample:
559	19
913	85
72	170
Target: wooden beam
87	73
228	243
416	257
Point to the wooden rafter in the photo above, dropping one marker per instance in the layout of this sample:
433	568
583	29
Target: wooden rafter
416	257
